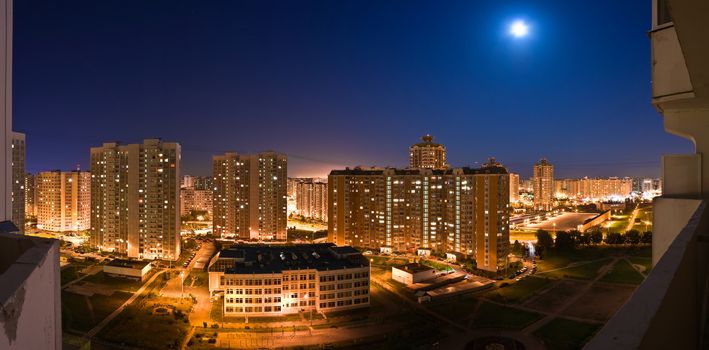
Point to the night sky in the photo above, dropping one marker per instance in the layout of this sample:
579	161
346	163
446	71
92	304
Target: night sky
342	83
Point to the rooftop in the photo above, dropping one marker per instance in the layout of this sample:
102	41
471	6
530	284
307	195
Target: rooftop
19	256
488	168
414	268
133	264
263	258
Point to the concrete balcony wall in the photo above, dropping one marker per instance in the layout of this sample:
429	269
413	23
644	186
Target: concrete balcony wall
670	77
682	175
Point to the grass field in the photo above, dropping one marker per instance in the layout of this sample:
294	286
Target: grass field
71	273
562	333
141	326
457	309
388	261
623	272
643	261
584	271
438	266
557	260
115	282
518	291
491	315
83	313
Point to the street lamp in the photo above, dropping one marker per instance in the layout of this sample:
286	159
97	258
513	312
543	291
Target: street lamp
182	284
311	309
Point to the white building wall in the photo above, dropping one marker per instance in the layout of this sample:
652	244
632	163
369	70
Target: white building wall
36	303
6	109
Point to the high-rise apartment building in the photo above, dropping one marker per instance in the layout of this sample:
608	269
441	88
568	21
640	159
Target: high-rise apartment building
192	199
311	198
250	199
196	194
427	155
197	182
135	199
514	187
18	180
543	185
462	210
63	200
30	195
594	189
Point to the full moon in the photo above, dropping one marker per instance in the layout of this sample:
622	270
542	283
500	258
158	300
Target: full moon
519	29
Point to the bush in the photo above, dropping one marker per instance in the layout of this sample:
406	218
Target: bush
212	340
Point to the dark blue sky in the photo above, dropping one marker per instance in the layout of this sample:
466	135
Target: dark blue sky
341	83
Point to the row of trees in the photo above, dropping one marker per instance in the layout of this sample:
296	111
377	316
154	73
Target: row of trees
572	239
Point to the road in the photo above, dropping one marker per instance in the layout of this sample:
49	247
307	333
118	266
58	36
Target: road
91	333
631	222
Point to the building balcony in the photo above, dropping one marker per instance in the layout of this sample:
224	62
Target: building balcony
670	77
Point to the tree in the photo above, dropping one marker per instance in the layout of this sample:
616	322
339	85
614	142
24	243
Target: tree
544	240
596	237
471	265
517	248
575	236
647	237
564	241
584	238
632	237
615	238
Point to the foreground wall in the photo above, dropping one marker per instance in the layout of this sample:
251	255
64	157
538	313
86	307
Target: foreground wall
30	314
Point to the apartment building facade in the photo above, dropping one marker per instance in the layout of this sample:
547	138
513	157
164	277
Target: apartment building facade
64	200
459	210
543	185
427	154
135	199
250	195
311	198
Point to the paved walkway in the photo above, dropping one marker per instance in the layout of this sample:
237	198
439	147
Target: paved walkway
91	333
631	222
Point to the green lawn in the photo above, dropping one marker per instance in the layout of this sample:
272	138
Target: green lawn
140	326
456	309
516	292
646	262
622	272
78	314
562	333
71	273
586	271
555	260
491	315
438	266
387	261
115	282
